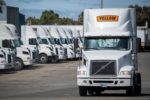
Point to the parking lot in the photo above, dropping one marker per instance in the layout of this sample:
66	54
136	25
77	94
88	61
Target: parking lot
58	82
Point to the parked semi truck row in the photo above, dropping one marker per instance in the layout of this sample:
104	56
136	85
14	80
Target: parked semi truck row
109	54
59	38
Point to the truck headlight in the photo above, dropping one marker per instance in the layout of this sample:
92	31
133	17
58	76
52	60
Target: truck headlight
125	73
82	72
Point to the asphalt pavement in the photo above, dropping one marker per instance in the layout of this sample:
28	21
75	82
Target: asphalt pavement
58	82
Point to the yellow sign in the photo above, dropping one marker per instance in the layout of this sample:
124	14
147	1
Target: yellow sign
107	18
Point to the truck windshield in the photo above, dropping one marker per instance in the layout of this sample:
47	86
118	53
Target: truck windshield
117	43
33	41
44	41
64	41
58	41
39	40
17	43
52	40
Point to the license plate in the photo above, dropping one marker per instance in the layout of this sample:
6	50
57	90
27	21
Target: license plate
103	85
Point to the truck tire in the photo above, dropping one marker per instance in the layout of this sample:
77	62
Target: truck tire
135	90
137	81
43	58
82	91
55	60
18	65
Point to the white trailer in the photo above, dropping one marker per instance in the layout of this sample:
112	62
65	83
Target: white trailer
30	38
144	37
109	57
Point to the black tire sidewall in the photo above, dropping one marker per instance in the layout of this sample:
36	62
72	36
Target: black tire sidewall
18	67
43	55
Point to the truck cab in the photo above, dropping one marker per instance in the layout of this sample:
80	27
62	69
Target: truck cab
30	38
56	41
23	57
58	49
42	32
109	55
65	43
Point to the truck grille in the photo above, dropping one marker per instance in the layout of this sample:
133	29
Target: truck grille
103	67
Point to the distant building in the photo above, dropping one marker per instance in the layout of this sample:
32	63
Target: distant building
21	21
11	15
3	12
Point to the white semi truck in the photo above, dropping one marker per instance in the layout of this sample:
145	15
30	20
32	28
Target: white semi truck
23	54
58	49
44	36
65	43
109	55
55	38
30	38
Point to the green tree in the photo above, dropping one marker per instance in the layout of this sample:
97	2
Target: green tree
142	14
80	19
66	21
32	21
49	18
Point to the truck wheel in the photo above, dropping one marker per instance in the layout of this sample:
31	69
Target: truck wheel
135	90
43	58
18	65
137	81
55	60
82	91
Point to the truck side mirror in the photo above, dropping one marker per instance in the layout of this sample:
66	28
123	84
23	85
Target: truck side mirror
7	44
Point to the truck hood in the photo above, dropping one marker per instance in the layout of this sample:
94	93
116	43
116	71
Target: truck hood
105	54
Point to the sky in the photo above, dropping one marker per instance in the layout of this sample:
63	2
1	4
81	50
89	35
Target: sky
68	8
